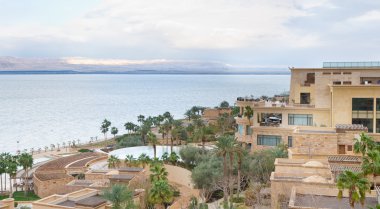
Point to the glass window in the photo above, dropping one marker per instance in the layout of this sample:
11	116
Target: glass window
249	130
300	119
305	98
362	112
268	140
240	129
290	141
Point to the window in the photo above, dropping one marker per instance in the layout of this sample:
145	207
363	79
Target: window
249	130
362	112
377	115
290	141
346	73
305	98
241	129
300	119
337	73
337	82
269	119
349	147
268	140
326	73
346	82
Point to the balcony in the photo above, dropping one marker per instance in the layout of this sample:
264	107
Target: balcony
277	104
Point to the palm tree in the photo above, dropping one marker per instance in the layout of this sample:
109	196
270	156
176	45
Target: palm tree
114	131
129	160
363	144
158	172
120	197
152	138
105	127
356	185
167	127
203	134
140	119
161	193
371	164
144	159
129	126
113	161
26	161
11	169
248	112
188	114
223	147
2	169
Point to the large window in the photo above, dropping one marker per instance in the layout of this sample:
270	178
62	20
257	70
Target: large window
268	140
362	112
269	119
300	119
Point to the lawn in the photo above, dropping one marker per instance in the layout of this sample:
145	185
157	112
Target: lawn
19	196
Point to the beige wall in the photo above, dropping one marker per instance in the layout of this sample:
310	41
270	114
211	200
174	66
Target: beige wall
7	203
342	100
50	187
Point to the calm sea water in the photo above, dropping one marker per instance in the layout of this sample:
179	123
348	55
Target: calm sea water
38	110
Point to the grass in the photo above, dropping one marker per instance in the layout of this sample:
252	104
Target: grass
19	196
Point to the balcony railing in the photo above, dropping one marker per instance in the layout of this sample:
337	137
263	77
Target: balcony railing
263	103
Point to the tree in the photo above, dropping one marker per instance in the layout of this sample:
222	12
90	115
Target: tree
188	114
363	144
113	161
140	119
356	185
120	197
130	127
248	112
143	159
173	158
129	160
158	172
207	175
114	131
153	140
11	169
224	122
2	169
224	104
161	193
371	164
223	148
26	161
105	127
203	134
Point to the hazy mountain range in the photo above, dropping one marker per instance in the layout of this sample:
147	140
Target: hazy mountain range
13	65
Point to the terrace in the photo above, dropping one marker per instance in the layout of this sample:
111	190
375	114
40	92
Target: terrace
246	101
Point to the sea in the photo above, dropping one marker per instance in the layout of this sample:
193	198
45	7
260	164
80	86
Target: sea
40	110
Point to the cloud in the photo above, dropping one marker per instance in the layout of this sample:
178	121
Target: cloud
369	16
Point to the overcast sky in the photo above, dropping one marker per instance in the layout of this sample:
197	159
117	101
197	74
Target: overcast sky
238	32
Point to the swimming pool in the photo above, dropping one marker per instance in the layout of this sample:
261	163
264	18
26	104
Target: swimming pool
148	150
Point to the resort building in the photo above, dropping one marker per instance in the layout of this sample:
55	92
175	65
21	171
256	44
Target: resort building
327	107
83	199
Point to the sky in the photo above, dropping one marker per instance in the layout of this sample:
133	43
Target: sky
246	33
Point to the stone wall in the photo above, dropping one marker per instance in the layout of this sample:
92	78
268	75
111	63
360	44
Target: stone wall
50	187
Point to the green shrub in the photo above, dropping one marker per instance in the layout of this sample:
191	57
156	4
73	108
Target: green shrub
129	141
237	199
85	150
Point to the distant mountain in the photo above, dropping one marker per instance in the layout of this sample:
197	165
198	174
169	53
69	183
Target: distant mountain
12	65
